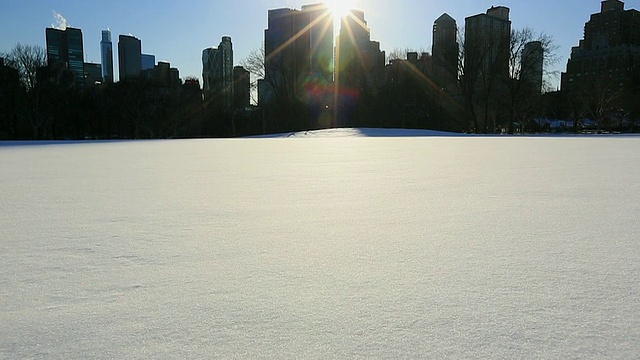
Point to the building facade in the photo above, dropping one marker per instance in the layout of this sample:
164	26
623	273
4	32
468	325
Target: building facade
532	66
360	62
609	54
92	74
106	53
284	44
299	54
147	61
241	88
65	51
445	50
129	57
486	44
319	20
9	94
217	73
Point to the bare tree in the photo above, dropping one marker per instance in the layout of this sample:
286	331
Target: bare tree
482	71
280	78
530	56
27	59
602	99
401	54
255	64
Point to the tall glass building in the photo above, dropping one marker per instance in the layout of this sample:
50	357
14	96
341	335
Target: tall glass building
148	61
65	51
106	50
217	71
129	57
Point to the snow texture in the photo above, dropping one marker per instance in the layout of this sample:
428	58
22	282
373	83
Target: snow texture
321	247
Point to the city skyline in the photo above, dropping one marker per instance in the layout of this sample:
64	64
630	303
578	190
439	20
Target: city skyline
178	33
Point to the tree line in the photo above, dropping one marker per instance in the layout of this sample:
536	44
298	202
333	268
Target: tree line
411	90
41	103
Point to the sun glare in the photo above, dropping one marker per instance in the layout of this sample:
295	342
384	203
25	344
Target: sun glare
339	8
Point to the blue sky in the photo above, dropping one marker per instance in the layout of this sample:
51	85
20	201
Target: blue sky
177	31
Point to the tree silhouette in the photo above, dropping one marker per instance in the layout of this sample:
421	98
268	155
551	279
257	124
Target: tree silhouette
527	68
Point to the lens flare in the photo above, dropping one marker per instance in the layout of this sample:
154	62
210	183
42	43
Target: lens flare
339	8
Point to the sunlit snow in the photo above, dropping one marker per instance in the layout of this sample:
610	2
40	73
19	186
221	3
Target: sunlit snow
342	246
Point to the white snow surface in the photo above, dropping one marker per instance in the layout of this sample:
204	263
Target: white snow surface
321	247
361	132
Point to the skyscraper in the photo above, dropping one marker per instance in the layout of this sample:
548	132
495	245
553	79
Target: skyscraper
129	57
319	21
532	65
359	59
284	45
217	72
445	49
609	54
65	51
106	52
486	44
360	68
299	53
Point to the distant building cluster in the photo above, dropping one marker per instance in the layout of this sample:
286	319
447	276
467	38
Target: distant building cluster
65	54
301	60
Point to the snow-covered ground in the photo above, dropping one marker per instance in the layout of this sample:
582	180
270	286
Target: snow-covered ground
361	132
321	247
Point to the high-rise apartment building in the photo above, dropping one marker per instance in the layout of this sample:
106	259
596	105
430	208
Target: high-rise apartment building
129	57
106	52
609	55
65	51
532	65
320	23
299	53
359	60
360	68
217	72
486	44
445	49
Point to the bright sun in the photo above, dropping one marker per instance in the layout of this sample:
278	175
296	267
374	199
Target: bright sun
339	8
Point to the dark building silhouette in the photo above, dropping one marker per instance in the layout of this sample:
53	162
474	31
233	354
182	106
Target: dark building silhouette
445	50
147	66
360	71
532	65
321	54
93	74
9	95
65	51
8	74
299	54
486	43
609	55
106	52
283	48
147	61
129	57
163	74
241	88
218	73
360	62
